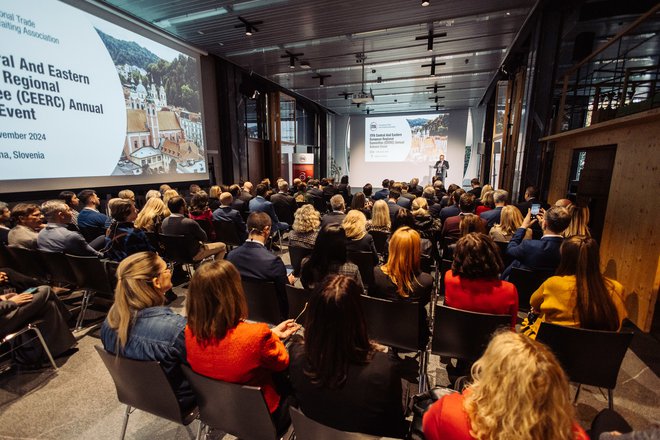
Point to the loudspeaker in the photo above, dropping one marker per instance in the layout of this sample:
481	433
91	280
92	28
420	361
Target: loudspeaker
583	45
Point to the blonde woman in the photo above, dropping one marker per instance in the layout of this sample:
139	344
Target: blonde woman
357	239
306	224
510	220
380	218
140	327
427	226
168	194
152	215
579	222
519	391
214	197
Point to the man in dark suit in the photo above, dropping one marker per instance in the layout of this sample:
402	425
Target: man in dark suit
260	204
225	213
414	187
383	193
178	224
441	167
467	205
476	188
500	197
392	204
238	204
543	254
254	261
284	204
56	237
451	210
405	200
328	188
246	193
337	215
316	196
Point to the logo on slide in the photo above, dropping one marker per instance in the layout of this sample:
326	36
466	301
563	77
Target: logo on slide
373	126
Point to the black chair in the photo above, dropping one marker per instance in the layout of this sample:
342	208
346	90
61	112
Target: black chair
92	232
298	299
380	241
225	231
502	245
262	303
283	213
179	249
144	385
365	262
239	410
526	282
59	268
92	277
29	262
462	334
10	339
308	429
590	357
206	227
152	238
6	260
297	254
445	265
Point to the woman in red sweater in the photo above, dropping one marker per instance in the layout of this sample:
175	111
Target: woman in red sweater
221	345
519	391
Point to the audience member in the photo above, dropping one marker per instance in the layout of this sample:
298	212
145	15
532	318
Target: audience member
5	215
531	198
384	192
466	205
367	189
122	238
315	194
306	225
543	254
579	224
414	188
126	194
260	204
201	213
578	295
518	391
71	199
328	257
55	237
169	194
177	224
336	363
246	192
362	204
427	226
140	327
429	194
29	221
164	188
328	188
380	218
337	215
214	197
563	203
492	216
284	204
344	189
476	188
238	204
405	218
225	213
486	202
392	202
510	220
452	209
405	199
153	193
220	344
151	217
255	262
356	234
301	196
89	216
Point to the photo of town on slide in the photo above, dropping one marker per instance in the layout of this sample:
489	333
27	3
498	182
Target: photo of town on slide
163	110
429	137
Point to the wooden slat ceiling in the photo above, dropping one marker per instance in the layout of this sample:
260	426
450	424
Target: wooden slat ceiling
329	34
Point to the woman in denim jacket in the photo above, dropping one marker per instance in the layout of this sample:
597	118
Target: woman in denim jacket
139	327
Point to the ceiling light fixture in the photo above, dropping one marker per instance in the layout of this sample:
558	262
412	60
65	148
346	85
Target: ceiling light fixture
250	26
436	98
292	58
169	22
321	78
435	88
425	2
437	107
433	65
430	37
305	65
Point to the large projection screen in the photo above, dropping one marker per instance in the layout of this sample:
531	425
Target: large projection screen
84	101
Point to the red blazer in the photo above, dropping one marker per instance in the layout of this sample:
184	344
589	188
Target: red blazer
448	420
248	354
482	295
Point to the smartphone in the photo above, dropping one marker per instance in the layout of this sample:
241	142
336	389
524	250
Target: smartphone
535	209
30	290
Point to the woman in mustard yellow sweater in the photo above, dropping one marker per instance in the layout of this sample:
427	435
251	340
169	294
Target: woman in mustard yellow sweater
579	295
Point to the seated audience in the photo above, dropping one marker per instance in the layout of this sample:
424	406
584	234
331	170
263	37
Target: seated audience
361	203
564	203
246	192
126	194
260	204
476	188
466	204
510	220
356	234
405	199
344	189
168	194
392	202
328	257
579	224
519	391
90	217
220	344
55	237
225	213
452	209
336	215
487	202
71	199
214	197
301	196
380	218
29	221
150	218
122	238
283	203
140	327
578	295
163	189
414	188
473	282
493	215
153	193
469	223
384	192
543	254
255	262
338	376
201	213
178	224
427	226
368	190
306	225
5	215
405	218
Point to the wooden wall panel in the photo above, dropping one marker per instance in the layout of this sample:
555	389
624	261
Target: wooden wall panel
630	248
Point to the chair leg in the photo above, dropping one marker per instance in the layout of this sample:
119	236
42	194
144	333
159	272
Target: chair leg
43	344
423	365
123	428
610	399
200	429
577	394
83	308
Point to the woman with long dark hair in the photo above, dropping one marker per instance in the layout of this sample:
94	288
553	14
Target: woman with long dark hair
578	295
338	376
122	238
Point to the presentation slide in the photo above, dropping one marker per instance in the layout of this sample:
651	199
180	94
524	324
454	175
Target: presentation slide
81	97
406	138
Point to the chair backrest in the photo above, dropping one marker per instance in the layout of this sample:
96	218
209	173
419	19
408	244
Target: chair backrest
526	282
225	231
179	248
591	357
206	227
365	262
239	410
59	267
91	232
308	429
91	274
319	204
445	265
29	262
463	334
392	323
380	241
296	254
283	213
501	246
297	299
6	260
143	385
261	298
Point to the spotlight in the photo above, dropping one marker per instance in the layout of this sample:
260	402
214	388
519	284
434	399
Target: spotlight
426	2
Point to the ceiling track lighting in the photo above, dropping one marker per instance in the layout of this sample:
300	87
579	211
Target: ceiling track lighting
250	26
433	65
436	98
430	37
435	88
292	58
437	107
321	78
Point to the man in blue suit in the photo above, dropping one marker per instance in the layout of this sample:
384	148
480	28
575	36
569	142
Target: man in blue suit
91	222
492	216
260	204
543	254
225	213
383	193
254	261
